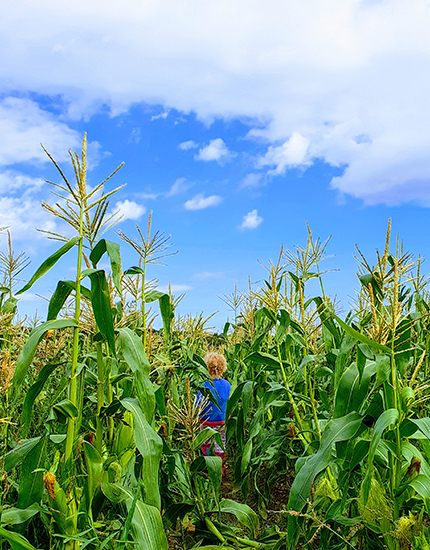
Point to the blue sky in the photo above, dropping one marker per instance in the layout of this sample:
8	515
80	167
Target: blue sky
237	122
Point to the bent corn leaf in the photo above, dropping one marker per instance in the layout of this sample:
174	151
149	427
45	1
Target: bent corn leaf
360	337
352	391
147	525
150	446
102	309
27	353
113	252
17	542
387	418
32	393
14	516
243	513
338	429
62	292
135	357
47	264
18	453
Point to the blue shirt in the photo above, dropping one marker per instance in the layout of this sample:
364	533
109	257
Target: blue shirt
221	394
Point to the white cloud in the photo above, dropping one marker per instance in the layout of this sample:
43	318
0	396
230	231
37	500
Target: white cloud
290	154
29	296
24	126
129	210
23	215
180	186
11	181
330	71
174	288
135	136
147	196
199	202
186	145
205	275
254	179
162	115
216	150
251	220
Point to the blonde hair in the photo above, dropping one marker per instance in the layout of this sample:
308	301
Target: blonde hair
216	363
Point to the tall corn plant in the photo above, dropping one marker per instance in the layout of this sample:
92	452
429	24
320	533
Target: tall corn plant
86	212
151	249
375	376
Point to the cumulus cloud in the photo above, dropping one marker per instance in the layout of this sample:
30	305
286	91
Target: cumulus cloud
30	297
147	196
129	210
251	220
186	145
290	154
330	71
216	150
24	125
135	136
199	202
180	186
205	275
22	216
162	115
174	288
11	181
254	179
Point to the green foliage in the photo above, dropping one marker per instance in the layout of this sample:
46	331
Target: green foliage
100	436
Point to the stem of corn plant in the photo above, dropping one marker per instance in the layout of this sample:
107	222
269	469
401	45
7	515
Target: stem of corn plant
297	418
109	392
398	459
110	399
143	302
314	410
100	396
72	386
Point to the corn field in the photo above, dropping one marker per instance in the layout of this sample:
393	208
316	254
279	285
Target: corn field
327	423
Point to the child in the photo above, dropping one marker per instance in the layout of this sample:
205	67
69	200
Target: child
213	416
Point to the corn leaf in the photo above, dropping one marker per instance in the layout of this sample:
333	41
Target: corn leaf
263	358
387	418
14	516
421	484
246	457
94	467
31	395
206	434
27	353
134	270
423	425
31	479
214	466
17	542
48	263
113	251
352	391
338	429
166	315
147	526
18	453
242	512
150	446
360	337
153	295
102	309
135	357
62	292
